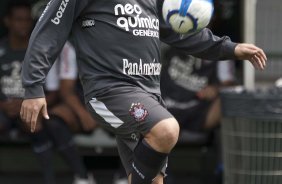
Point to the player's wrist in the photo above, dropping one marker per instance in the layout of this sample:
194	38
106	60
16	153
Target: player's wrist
229	49
34	92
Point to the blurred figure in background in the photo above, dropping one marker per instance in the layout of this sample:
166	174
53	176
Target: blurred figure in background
190	88
65	119
19	23
62	80
54	131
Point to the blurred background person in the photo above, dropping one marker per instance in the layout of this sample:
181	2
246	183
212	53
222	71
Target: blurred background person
190	88
67	116
19	23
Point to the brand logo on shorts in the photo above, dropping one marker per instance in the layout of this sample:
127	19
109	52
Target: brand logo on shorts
134	137
138	111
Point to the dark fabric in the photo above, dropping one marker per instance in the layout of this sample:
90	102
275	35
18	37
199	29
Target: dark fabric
147	164
10	71
117	42
192	118
128	110
6	123
42	147
62	138
71	155
58	132
130	113
183	76
45	159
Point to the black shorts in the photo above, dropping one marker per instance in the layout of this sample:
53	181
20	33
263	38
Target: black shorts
129	112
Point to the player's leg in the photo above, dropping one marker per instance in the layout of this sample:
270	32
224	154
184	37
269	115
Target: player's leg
132	112
151	153
163	136
160	131
126	155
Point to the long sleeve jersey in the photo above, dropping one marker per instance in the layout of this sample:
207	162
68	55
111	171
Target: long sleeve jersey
117	42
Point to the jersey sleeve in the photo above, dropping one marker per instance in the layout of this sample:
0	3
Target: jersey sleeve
202	44
46	42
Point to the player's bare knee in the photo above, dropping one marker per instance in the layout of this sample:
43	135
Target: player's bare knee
164	135
158	180
169	134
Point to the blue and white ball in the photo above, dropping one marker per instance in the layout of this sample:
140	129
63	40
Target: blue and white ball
187	16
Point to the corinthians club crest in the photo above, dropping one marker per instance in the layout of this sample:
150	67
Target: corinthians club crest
138	111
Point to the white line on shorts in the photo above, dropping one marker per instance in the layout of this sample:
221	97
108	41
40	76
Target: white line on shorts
101	109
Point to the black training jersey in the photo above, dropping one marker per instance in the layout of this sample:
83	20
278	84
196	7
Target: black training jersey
10	70
117	44
183	76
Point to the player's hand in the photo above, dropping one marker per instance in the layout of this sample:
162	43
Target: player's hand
30	110
252	53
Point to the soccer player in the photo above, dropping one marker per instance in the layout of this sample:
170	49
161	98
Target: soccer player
119	66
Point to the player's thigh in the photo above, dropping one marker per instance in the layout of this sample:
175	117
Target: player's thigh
159	179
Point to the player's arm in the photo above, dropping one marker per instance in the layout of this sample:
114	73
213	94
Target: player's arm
208	46
205	45
47	40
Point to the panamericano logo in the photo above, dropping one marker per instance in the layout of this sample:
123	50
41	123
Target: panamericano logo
141	68
130	17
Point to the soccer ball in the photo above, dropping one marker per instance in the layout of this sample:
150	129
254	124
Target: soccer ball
187	16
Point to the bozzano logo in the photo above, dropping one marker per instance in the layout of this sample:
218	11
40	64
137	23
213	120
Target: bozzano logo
60	12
